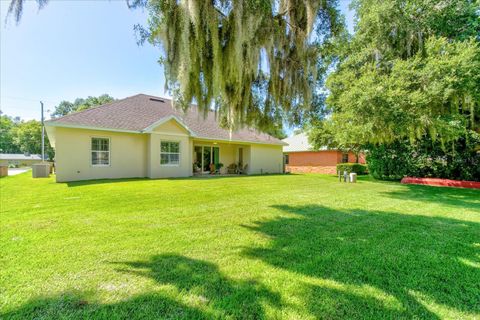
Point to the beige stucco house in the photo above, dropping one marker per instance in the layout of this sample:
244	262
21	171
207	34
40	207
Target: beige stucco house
144	136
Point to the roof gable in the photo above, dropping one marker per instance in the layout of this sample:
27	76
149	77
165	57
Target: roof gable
169	125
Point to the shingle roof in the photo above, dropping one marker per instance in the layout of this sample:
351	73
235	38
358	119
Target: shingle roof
138	112
298	142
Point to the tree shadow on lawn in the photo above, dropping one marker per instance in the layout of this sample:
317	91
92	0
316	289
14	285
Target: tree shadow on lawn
232	298
400	256
209	294
80	183
454	197
77	305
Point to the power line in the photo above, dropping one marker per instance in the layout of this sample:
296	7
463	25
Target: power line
19	107
26	99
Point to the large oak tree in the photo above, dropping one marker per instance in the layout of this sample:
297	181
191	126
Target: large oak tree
410	70
253	61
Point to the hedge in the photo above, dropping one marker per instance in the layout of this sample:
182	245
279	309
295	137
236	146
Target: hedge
425	159
352	167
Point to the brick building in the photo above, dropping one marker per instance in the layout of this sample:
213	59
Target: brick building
299	157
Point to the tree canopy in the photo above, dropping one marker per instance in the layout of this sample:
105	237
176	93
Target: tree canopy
18	136
7	125
16	7
410	70
252	61
67	107
28	136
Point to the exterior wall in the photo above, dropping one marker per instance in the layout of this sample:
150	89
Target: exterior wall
317	158
228	155
311	169
73	155
265	159
317	161
156	170
138	155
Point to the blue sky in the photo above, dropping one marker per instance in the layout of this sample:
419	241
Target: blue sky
74	49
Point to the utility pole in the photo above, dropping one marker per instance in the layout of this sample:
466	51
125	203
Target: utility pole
43	135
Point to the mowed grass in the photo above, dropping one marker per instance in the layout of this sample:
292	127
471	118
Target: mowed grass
278	247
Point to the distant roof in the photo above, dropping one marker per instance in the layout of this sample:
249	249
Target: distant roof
139	112
19	156
298	142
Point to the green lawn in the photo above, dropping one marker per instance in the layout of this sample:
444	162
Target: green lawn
285	246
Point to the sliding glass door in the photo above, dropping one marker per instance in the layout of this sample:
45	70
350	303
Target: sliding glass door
205	156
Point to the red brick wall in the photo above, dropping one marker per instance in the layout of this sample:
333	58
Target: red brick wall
317	161
361	158
311	169
318	158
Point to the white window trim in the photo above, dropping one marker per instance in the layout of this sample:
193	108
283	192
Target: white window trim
109	152
179	154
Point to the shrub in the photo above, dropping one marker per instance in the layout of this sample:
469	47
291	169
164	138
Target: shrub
352	167
426	158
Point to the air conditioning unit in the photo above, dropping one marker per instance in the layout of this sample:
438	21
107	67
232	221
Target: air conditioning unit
41	170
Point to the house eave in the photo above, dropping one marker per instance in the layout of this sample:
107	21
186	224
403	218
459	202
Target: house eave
78	126
241	141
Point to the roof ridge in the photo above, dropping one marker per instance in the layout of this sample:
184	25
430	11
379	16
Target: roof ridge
149	95
94	107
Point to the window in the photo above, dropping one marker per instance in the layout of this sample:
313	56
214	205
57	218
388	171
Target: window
345	157
100	151
169	153
286	159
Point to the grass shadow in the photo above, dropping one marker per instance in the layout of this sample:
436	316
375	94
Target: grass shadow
400	255
202	291
227	176
232	298
81	183
76	305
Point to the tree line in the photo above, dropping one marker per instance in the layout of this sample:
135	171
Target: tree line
20	136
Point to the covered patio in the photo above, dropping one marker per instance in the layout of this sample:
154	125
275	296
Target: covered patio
215	158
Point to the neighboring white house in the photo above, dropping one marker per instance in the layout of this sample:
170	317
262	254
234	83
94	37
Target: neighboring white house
144	136
19	159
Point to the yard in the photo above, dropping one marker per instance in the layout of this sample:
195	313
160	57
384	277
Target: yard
284	246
